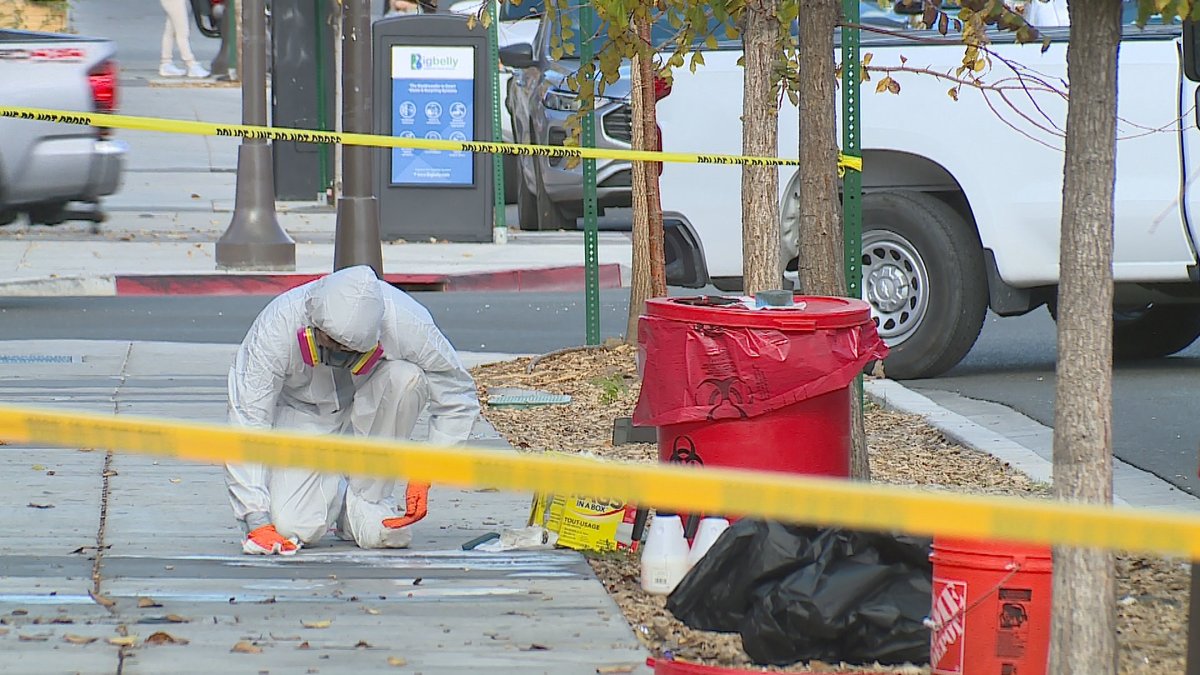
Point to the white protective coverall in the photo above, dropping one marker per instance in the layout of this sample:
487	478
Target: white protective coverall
270	386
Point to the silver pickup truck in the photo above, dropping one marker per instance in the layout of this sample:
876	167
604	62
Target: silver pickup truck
57	172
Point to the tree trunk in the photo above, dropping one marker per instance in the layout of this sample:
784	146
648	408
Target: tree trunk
1083	637
761	266
822	268
648	273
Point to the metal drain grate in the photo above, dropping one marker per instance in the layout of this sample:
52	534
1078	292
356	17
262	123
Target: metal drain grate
20	360
527	400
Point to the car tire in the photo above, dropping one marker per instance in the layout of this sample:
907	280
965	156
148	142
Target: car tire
924	276
527	213
511	182
549	215
48	214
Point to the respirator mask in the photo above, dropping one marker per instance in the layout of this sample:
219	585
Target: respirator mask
358	363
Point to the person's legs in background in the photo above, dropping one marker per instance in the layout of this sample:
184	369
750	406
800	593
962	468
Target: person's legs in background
386	405
176	33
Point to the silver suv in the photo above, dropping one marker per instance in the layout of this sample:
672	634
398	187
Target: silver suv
549	194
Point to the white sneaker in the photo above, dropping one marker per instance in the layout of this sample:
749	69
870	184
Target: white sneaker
197	71
171	70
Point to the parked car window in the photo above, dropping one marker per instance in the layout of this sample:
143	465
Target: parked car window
663	34
528	9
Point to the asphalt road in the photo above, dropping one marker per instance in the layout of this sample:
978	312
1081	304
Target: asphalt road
1156	412
1156	409
524	323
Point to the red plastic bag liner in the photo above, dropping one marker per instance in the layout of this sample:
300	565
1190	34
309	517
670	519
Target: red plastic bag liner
710	359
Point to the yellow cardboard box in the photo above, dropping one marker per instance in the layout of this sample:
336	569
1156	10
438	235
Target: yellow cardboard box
586	524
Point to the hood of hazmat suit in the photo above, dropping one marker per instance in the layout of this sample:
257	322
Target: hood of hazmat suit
348	307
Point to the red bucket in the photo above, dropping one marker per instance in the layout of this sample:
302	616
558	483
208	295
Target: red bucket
991	607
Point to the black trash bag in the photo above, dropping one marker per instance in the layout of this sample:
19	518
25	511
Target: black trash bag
801	593
716	594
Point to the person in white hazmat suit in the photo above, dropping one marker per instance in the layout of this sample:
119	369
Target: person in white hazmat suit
343	354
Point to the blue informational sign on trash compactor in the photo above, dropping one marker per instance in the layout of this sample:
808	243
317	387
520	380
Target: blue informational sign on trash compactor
433	90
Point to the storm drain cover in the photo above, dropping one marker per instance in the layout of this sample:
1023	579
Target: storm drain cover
28	359
524	398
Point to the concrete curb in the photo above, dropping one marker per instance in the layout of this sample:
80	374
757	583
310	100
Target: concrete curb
563	279
1131	485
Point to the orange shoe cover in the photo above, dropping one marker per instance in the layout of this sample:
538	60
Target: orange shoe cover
416	504
267	541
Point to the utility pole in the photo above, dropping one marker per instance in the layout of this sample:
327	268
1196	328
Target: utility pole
357	241
254	239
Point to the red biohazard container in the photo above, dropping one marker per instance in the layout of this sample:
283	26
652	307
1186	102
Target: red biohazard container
991	607
767	389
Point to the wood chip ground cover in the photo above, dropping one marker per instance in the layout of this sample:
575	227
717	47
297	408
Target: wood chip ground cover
603	385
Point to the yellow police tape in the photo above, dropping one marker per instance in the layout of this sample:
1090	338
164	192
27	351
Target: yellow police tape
801	499
307	136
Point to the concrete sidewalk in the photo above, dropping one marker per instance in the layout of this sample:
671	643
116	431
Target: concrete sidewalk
157	538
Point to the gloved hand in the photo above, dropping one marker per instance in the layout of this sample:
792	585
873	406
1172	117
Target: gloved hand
416	504
267	541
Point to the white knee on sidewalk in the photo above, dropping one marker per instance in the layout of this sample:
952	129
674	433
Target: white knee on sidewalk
364	520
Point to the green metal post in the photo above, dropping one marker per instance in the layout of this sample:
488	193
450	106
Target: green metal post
500	220
325	177
591	244
851	146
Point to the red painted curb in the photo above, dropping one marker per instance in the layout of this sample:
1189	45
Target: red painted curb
548	279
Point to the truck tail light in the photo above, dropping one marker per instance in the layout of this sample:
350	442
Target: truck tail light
103	80
662	89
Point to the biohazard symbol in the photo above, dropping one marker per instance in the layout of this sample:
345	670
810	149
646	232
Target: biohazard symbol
725	393
684	451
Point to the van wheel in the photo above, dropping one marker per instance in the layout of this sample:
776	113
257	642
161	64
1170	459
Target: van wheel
1154	331
923	274
1149	332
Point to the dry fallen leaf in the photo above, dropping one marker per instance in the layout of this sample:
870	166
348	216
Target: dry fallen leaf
38	467
362	644
372	611
79	639
245	647
176	480
324	623
396	661
164	638
32	638
175	618
147	602
102	600
124	641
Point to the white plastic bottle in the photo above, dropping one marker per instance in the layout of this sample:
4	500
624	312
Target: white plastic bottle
664	559
706	535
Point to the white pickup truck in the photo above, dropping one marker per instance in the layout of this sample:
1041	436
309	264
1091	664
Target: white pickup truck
56	172
962	199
